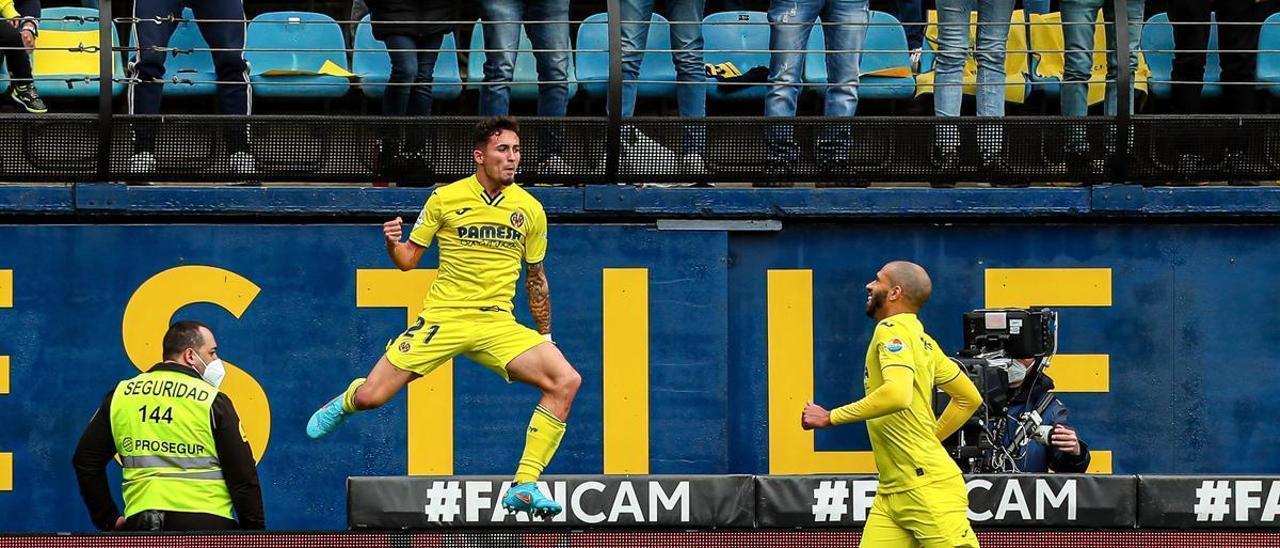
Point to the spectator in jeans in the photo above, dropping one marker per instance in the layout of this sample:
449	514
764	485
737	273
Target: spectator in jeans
413	48
548	30
1078	21
792	21
22	89
953	50
685	17
224	28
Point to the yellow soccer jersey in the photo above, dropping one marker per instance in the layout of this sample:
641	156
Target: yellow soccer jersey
907	451
482	242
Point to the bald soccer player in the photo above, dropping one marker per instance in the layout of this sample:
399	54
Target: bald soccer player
921	499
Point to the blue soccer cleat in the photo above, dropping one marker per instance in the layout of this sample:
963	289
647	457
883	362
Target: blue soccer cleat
326	419
329	417
526	497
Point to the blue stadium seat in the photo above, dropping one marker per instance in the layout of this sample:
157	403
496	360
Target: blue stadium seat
49	78
195	64
372	64
525	73
886	35
1269	62
299	41
593	58
725	41
1157	43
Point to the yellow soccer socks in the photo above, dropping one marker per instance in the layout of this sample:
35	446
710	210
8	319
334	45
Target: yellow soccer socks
540	444
349	397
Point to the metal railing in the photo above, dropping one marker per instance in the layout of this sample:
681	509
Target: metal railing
629	142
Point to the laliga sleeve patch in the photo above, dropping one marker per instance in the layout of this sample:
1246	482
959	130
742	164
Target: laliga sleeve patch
421	220
895	345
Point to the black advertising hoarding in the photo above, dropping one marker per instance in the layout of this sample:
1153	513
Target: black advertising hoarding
1043	501
692	502
1208	502
1029	500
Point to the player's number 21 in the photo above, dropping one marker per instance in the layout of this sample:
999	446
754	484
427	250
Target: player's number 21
431	331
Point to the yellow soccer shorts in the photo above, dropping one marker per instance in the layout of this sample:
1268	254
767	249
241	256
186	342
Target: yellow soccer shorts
929	516
491	338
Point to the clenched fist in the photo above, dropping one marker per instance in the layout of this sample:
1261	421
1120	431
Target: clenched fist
392	230
814	416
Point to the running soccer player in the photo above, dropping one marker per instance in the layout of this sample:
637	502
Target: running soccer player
486	226
921	499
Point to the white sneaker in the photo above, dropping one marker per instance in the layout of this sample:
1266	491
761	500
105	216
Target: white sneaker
690	164
242	163
553	165
693	164
916	55
142	163
641	153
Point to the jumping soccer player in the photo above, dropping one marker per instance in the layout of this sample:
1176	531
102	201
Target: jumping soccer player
486	226
921	499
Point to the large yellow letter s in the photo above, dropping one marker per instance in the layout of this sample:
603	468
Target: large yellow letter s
151	308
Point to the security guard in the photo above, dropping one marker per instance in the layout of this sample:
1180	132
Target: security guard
186	461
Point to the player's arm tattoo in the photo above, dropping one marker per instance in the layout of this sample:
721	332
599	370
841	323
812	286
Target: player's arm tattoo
539	296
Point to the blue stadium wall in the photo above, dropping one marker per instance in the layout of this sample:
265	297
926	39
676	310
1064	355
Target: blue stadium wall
683	337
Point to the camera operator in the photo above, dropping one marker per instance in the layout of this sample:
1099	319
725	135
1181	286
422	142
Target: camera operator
1065	451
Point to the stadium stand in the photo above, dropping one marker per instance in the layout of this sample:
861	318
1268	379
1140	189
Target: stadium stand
296	54
65	63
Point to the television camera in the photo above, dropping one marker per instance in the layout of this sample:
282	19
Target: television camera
996	343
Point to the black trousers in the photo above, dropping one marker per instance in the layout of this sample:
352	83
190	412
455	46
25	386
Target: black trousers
15	55
1236	67
157	520
147	64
